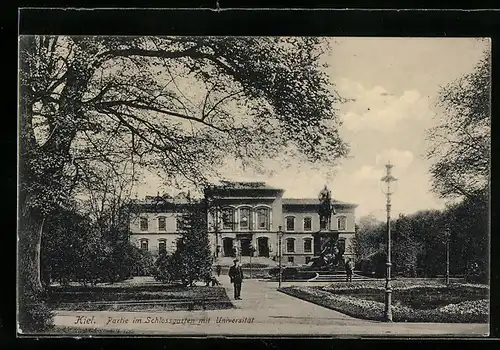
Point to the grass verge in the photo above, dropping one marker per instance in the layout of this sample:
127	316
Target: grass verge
154	298
353	303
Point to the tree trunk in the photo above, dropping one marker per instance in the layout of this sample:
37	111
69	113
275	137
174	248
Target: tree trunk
38	248
30	235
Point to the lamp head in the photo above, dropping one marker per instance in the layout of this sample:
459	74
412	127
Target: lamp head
389	180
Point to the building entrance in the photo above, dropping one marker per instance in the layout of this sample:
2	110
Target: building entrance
245	246
227	247
263	246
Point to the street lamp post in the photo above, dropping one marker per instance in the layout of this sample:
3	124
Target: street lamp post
447	235
212	207
279	234
388	179
252	250
216	229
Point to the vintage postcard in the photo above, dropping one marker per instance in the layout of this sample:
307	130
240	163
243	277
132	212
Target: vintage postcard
235	186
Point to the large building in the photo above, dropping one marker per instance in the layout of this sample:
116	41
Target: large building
244	219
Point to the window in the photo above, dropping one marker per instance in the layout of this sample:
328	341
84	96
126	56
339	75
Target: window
162	245
162	223
144	244
290	245
263	219
228	219
290	259
341	223
307	245
290	223
323	223
245	219
308	259
307	224
181	223
144	224
341	245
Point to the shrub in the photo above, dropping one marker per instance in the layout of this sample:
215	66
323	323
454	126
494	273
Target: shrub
34	314
166	268
287	272
291	273
142	262
254	266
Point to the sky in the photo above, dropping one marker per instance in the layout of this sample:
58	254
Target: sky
393	84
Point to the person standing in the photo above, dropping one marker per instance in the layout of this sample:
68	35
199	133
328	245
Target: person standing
218	269
236	277
349	267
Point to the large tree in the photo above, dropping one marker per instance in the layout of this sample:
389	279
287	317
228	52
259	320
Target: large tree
460	142
178	105
192	260
368	237
406	247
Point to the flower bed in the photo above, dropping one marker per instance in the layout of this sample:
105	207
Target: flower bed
399	284
355	307
463	312
418	296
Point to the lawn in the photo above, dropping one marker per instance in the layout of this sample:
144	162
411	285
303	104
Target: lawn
413	301
138	298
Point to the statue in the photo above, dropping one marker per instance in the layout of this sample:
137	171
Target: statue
329	253
326	207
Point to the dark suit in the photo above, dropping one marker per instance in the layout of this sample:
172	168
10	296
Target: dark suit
348	269
236	276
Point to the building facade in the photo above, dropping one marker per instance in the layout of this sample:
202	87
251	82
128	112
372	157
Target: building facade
156	222
244	219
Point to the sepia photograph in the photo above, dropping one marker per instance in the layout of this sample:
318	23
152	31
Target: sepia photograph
253	186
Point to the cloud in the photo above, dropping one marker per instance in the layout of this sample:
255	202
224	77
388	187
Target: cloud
370	174
377	108
400	159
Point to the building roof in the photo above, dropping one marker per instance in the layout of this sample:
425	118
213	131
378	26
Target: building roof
152	200
312	201
244	185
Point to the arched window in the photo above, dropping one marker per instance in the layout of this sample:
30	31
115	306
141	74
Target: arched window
263	216
228	218
144	224
307	224
290	223
162	245
245	219
341	223
290	245
162	223
323	223
144	244
307	245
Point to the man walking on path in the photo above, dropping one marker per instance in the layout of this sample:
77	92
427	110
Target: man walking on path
218	269
349	267
236	276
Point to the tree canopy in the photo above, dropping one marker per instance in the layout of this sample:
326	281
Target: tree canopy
460	143
178	105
